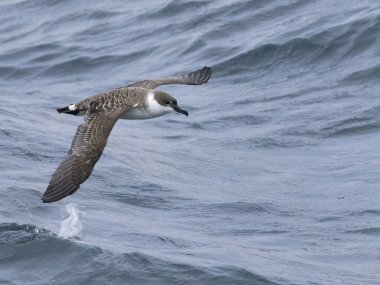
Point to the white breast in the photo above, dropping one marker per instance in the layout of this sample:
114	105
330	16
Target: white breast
153	110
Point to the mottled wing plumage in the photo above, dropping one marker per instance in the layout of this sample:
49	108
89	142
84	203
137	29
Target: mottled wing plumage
87	147
198	77
102	111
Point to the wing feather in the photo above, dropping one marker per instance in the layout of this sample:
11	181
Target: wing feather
87	147
197	77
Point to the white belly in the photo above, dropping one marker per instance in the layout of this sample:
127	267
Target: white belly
139	114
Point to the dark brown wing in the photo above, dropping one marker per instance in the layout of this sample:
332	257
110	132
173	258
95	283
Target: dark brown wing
198	77
87	147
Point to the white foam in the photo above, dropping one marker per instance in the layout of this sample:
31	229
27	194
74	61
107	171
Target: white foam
71	227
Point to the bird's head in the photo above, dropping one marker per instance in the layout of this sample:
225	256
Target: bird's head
169	103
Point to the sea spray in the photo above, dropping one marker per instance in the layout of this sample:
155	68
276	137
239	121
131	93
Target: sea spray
71	227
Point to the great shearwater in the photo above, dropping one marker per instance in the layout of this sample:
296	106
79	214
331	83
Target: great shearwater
138	100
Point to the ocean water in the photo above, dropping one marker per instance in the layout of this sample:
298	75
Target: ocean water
274	178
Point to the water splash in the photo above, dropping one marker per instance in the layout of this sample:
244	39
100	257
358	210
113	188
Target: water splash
71	227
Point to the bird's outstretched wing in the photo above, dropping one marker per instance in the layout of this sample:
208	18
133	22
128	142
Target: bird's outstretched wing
198	77
87	147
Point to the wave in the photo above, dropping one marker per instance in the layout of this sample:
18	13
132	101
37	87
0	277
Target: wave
232	208
366	231
365	75
334	44
366	212
306	50
15	233
283	77
365	121
175	8
265	56
146	195
29	244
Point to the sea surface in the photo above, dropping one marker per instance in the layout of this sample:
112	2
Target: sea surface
274	178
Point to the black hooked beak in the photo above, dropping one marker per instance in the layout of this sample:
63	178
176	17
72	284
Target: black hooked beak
179	110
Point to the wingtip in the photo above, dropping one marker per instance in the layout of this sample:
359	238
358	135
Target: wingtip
58	192
206	73
53	197
45	199
209	73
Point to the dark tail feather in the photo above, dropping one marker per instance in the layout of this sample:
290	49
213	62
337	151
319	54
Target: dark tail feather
67	111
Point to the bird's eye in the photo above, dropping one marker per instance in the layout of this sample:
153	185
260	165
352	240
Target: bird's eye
167	102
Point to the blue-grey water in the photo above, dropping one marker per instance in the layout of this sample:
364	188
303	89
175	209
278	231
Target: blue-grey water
274	177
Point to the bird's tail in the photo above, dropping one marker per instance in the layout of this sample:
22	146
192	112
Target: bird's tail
69	110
